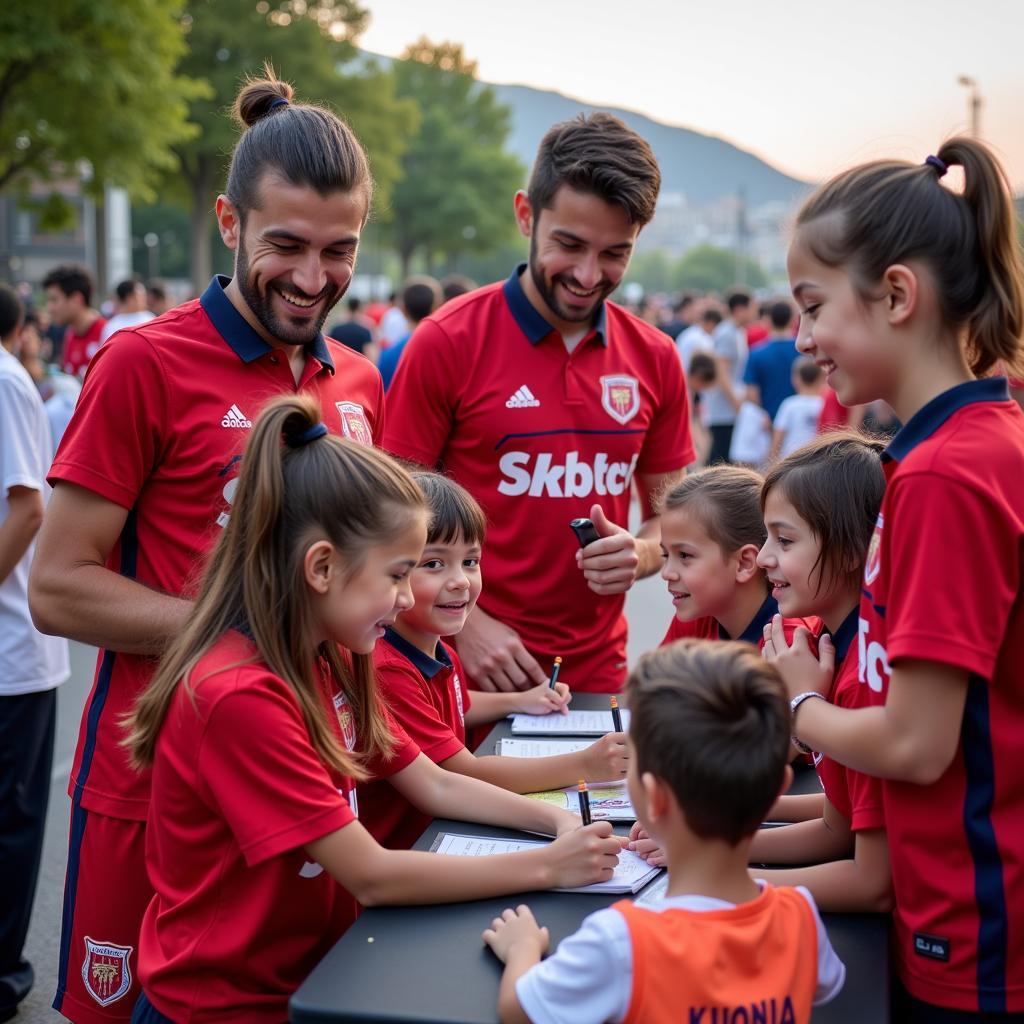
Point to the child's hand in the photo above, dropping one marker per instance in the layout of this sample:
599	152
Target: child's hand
605	759
645	847
800	669
584	856
542	700
516	928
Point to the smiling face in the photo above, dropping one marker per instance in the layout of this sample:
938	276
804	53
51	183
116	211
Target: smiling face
789	556
848	336
295	254
446	583
580	248
700	576
354	607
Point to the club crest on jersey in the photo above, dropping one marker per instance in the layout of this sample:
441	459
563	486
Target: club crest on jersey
620	396
105	971
873	563
354	424
346	720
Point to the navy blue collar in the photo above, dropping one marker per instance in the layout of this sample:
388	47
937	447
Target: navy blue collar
530	321
427	666
928	419
755	628
239	333
842	638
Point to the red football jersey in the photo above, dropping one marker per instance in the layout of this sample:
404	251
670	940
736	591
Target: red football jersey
241	915
429	700
79	349
856	796
487	390
942	584
708	628
159	429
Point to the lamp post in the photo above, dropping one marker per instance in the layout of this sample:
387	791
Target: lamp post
973	103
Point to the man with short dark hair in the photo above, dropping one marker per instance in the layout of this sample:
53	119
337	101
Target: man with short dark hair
146	473
769	371
130	296
421	295
353	331
68	300
547	402
722	401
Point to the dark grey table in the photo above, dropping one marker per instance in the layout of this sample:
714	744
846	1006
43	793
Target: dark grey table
428	965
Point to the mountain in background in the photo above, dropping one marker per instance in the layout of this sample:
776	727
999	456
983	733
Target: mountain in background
701	167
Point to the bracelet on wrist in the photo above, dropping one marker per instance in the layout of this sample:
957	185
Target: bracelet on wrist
793	705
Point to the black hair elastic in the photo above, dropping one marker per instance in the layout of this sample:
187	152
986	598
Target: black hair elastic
303	438
278	101
934	161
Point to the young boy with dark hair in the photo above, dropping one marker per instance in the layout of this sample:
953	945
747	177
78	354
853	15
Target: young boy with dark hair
709	739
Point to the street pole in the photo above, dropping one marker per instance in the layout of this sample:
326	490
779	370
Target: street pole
974	102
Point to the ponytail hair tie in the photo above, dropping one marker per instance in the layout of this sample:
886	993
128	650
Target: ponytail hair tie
278	101
934	161
300	440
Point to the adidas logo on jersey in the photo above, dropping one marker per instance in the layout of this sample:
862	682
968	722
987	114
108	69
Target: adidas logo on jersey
234	417
522	399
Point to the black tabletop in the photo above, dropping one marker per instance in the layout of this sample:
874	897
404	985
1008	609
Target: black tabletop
428	965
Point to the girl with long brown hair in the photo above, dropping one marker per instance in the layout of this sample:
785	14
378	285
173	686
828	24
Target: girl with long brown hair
263	715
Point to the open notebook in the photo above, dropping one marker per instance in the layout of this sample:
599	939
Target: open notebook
513	747
576	723
609	801
631	873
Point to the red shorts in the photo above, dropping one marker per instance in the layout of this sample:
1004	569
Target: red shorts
106	892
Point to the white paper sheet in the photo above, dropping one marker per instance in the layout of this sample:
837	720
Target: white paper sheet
609	801
512	747
576	723
631	873
654	893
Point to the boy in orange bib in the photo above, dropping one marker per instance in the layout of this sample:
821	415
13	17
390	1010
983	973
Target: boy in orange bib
709	738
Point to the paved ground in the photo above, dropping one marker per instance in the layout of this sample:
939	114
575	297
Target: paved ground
648	610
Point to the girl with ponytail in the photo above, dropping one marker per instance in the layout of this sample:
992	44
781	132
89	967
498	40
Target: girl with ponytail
262	717
912	292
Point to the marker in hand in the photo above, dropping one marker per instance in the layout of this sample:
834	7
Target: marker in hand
616	717
584	802
554	672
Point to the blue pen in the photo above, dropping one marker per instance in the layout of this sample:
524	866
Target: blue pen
554	672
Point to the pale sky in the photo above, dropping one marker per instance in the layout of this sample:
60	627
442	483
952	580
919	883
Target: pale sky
811	86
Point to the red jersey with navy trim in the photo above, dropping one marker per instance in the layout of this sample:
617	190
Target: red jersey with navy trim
487	391
429	700
78	349
240	914
942	584
856	796
708	628
159	429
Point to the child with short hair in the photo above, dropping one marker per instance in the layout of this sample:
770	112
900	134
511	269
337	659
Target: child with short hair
709	736
423	682
796	422
820	507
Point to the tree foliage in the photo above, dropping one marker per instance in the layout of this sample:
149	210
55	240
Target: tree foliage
705	268
96	82
455	195
310	43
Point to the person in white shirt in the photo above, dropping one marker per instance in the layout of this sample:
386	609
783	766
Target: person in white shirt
796	422
131	311
31	665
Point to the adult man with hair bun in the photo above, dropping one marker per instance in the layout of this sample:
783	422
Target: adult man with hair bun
547	403
144	478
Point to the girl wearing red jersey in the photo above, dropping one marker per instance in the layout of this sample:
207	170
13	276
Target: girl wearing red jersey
257	724
913	292
820	505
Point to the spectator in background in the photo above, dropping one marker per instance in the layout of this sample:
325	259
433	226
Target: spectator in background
420	297
157	301
455	285
699	337
684	315
354	331
69	302
796	422
758	330
32	666
723	401
768	375
131	298
393	324
701	373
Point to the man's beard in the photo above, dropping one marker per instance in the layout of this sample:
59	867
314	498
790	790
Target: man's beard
261	304
547	291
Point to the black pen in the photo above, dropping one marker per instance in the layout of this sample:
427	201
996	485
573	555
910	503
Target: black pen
616	717
584	802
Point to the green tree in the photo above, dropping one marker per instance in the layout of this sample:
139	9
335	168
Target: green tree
708	268
455	195
88	82
310	43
